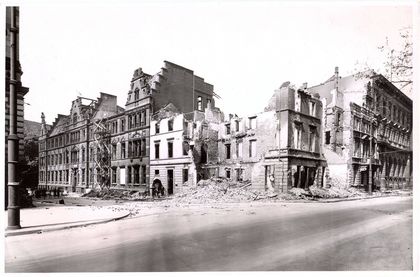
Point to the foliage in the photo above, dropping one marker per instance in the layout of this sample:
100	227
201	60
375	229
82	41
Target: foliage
398	62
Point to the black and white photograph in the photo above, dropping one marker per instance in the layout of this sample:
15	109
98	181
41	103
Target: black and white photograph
218	137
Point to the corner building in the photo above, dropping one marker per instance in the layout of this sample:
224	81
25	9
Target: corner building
367	131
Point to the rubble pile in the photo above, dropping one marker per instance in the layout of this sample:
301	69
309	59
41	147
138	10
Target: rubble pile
219	190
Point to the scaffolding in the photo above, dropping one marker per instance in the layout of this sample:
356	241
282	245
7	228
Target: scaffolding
102	159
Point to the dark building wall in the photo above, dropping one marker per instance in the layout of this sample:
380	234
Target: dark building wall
179	86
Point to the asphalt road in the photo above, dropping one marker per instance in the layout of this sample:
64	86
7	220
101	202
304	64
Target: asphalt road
371	234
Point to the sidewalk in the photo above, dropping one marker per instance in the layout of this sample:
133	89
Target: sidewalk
45	219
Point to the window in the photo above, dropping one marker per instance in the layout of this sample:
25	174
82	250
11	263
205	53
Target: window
157	128
208	103
83	155
136	147
185	148
143	147
237	125
170	149
227	129
338	118
298	136
184	175
83	175
239	174
129	175
239	149
123	150
170	125
136	94
114	151
143	174
157	146
156	171
252	123
227	150
74	117
114	175
122	125
312	138
143	118
136	174
327	137
252	148
312	108
199	103
228	173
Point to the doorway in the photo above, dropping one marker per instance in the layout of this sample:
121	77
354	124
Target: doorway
170	181
73	187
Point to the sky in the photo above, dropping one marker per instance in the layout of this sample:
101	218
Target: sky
245	49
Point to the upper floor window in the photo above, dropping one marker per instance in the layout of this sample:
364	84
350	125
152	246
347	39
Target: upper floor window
74	117
136	94
312	108
157	150
252	148
227	150
143	118
297	136
170	125
170	149
237	125
122	125
199	103
312	138
252	123
157	128
208	103
227	129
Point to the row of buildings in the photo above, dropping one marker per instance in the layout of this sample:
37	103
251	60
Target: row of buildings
356	129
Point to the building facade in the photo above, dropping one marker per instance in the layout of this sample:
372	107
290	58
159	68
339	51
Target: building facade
102	144
171	161
366	131
277	149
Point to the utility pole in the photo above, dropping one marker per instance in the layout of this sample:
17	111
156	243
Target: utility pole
13	209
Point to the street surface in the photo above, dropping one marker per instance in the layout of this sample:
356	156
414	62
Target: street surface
373	234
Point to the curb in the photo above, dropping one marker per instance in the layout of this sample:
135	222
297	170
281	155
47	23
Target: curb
62	227
354	199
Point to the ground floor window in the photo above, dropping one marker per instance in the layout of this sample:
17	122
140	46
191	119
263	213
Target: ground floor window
239	174
114	175
129	174
136	174
228	173
143	174
184	175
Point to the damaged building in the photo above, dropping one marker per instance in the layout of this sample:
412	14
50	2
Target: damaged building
277	149
102	144
367	131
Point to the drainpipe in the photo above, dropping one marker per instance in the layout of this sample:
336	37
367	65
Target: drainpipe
13	209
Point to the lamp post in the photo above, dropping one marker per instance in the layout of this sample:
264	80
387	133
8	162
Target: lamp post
13	208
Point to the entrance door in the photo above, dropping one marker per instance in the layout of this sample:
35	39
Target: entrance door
170	181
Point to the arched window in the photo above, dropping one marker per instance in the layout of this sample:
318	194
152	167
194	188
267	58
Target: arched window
136	94
74	117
